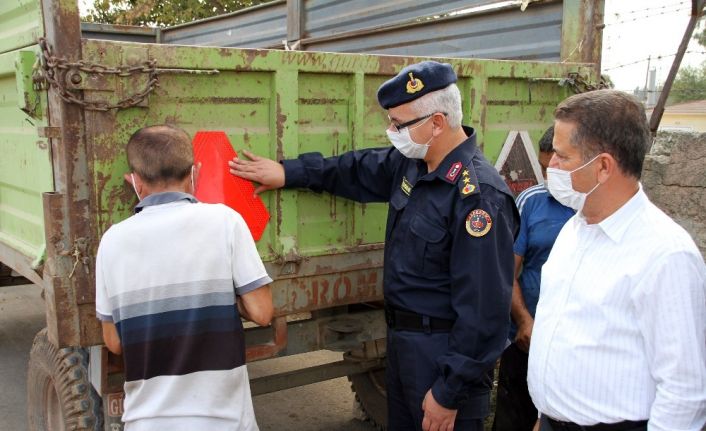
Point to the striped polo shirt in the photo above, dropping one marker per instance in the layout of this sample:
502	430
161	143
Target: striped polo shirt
168	278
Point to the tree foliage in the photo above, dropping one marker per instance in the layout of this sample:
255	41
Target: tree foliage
162	13
690	83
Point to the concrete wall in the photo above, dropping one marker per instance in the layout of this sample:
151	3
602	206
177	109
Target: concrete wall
674	177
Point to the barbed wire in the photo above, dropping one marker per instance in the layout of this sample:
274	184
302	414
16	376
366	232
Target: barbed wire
656	58
651	8
648	16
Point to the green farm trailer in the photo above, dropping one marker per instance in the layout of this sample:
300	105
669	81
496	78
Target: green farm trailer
71	95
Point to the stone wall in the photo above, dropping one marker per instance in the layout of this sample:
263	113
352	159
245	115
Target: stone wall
674	177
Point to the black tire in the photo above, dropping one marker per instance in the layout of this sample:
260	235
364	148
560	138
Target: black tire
371	396
59	394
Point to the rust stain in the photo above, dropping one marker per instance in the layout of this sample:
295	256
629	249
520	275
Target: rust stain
542	112
483	104
322	101
392	65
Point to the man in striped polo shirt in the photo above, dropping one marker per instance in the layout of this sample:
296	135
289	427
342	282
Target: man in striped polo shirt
172	282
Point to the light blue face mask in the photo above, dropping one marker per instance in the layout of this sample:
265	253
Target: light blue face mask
560	186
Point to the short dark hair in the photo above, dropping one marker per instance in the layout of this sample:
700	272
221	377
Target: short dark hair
608	121
160	154
545	143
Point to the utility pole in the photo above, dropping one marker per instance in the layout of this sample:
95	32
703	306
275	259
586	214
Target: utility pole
645	94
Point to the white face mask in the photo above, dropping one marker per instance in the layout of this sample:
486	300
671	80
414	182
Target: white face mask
193	185
132	176
405	145
560	186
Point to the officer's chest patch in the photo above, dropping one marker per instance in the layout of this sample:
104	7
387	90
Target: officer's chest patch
406	186
478	223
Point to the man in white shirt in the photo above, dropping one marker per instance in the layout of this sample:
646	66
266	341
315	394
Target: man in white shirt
619	339
172	282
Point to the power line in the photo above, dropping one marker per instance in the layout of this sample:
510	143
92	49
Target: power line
651	8
659	57
640	18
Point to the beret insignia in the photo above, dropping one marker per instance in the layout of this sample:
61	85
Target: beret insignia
414	84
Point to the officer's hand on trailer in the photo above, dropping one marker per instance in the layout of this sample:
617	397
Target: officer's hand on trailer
436	416
269	173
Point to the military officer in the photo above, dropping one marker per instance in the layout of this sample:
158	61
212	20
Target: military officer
448	246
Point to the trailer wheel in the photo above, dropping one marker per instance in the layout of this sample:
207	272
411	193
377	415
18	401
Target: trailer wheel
371	396
59	394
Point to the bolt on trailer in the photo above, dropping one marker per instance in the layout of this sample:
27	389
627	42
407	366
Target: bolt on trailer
72	94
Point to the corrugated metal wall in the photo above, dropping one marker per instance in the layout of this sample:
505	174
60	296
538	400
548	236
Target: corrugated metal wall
120	33
393	27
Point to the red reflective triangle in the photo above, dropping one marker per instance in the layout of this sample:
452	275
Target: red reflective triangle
217	185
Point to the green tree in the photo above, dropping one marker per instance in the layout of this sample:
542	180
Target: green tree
690	83
162	13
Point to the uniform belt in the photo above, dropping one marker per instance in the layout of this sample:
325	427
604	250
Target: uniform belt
618	426
408	321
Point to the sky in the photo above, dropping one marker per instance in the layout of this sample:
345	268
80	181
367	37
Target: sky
638	29
634	31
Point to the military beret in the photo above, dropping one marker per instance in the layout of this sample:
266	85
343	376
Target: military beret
415	81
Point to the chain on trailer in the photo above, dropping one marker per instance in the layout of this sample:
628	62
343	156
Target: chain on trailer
53	70
580	84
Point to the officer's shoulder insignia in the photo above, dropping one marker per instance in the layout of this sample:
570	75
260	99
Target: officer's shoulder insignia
414	84
454	171
478	223
468	184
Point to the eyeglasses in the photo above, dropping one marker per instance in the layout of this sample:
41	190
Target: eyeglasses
406	124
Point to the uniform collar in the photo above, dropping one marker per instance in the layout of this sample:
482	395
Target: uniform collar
450	168
163	198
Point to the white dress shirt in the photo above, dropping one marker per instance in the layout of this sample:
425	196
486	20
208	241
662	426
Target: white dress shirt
620	328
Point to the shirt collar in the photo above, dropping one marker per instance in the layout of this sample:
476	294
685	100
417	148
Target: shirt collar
617	223
163	198
450	168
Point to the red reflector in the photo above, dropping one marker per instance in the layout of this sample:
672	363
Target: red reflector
217	185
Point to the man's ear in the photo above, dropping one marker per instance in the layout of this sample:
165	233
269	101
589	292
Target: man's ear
439	122
128	178
607	167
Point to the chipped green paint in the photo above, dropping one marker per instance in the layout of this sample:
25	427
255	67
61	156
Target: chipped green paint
281	104
21	24
25	161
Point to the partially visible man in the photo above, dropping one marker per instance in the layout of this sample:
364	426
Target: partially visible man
619	339
542	217
448	246
167	283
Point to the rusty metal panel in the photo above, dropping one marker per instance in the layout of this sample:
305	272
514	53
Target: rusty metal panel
123	33
68	212
21	24
259	26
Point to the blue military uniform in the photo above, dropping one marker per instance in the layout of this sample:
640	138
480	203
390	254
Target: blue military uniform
448	269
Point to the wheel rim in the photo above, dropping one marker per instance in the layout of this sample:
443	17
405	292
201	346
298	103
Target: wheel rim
52	414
